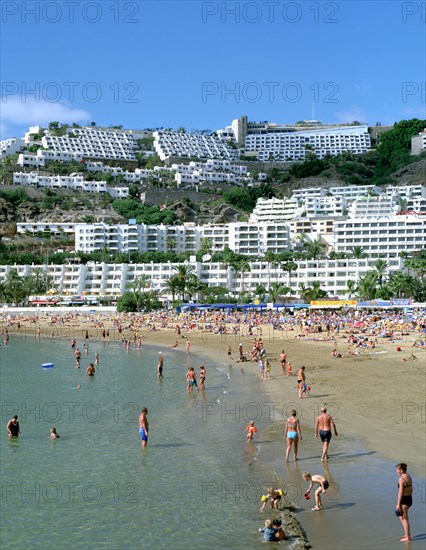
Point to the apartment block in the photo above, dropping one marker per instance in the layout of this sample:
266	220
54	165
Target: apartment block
180	144
387	237
112	280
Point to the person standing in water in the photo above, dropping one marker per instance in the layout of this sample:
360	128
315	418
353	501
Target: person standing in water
202	377
160	366
323	425
293	434
13	427
323	485
404	500
143	427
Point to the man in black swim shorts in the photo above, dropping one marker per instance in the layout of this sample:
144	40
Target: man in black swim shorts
323	426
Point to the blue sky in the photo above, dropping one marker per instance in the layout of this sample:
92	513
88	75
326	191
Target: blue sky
200	64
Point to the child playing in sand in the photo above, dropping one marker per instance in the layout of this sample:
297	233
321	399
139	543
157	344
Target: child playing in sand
277	524
251	430
274	496
323	485
269	533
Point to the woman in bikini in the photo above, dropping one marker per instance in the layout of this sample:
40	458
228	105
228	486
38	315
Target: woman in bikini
292	433
405	500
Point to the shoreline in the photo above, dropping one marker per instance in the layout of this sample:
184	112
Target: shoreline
382	389
280	389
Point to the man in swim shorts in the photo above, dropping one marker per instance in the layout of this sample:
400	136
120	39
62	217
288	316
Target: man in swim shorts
323	425
191	379
143	427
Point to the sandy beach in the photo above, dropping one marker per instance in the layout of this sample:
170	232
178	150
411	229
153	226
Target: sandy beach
378	396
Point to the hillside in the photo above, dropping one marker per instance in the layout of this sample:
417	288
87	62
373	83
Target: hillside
162	202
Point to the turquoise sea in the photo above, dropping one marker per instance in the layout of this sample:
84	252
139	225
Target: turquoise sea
198	483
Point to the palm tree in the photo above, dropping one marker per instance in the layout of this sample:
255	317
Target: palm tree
183	275
289	267
260	291
367	286
316	292
304	292
277	291
138	286
380	267
39	282
315	250
170	244
241	265
173	285
194	286
418	265
358	252
15	288
269	257
400	284
205	246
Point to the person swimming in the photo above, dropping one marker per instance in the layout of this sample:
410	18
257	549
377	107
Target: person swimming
53	433
90	371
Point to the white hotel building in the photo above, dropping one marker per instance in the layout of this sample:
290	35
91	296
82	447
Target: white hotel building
103	279
380	233
82	143
296	145
241	237
181	144
74	181
385	236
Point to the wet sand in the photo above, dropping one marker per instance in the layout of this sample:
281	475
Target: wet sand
377	397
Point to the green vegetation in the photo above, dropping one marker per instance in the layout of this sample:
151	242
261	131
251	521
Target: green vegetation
245	198
377	283
14	197
57	129
148	162
16	289
131	208
139	297
374	167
